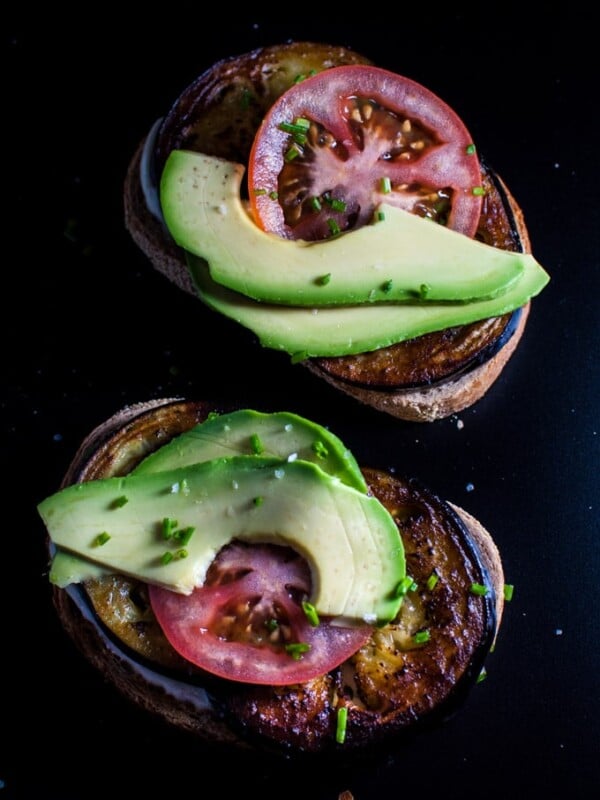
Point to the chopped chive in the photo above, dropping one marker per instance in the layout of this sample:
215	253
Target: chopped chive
421	637
379	216
212	415
292	153
259	192
273	195
184	535
271	624
258	501
386	185
341	723
386	287
183	553
316	203
119	502
509	590
246	98
101	539
319	449
289	127
424	290
323	280
256	444
300	77
311	613
407	584
432	580
470	149
337	204
482	675
479	589
478	191
166	558
302	123
333	227
168	527
297	649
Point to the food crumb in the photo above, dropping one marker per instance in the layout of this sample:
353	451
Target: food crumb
57	437
558	632
469	487
460	424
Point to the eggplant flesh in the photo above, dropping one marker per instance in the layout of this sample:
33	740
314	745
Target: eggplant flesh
438	357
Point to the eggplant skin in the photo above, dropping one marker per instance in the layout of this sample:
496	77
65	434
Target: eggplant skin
392	686
438	357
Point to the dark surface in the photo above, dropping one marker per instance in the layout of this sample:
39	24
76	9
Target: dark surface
89	327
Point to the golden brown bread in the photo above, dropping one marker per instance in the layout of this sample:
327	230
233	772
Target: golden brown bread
130	650
502	224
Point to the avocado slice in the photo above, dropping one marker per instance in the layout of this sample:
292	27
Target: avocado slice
403	257
246	432
305	332
349	539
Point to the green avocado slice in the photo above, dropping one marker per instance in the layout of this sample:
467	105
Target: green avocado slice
349	539
305	332
403	257
280	434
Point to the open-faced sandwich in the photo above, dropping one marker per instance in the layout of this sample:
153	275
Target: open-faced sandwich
239	575
342	213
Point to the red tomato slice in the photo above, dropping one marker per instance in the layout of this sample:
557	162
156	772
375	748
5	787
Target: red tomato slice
336	145
246	623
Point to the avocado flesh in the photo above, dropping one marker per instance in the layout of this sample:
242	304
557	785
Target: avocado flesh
400	258
339	331
279	434
349	539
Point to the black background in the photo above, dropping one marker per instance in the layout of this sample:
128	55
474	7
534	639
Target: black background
88	327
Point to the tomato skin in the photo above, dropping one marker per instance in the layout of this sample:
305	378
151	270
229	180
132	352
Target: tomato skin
375	137
225	628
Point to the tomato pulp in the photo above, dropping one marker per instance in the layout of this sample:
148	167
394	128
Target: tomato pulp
336	145
247	622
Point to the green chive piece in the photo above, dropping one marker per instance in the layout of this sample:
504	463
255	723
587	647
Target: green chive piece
101	539
302	123
432	581
407	584
299	78
379	216
319	449
478	191
256	444
333	227
341	723
297	649
470	149
311	613
259	192
212	415
479	589
424	289
386	185
386	287
292	153
273	195
509	590
119	502
271	624
166	558
315	203
183	553
184	535
168	527
421	637
482	675
258	501
323	280
338	205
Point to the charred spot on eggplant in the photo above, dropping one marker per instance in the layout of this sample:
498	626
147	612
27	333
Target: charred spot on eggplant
438	357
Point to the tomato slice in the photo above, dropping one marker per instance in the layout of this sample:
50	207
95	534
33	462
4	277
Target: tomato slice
338	144
247	624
